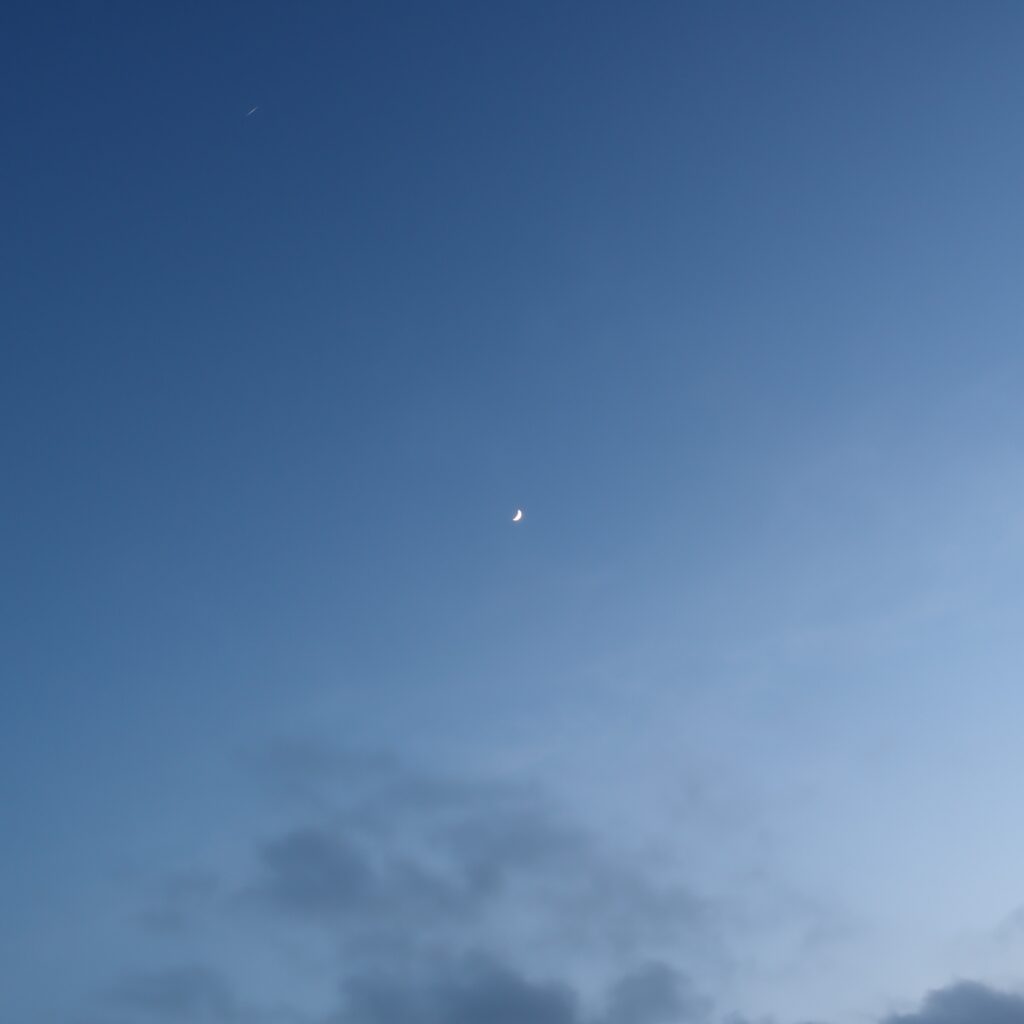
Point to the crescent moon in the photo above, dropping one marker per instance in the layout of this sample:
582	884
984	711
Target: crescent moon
518	515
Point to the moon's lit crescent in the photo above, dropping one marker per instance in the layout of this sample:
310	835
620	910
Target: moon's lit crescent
518	515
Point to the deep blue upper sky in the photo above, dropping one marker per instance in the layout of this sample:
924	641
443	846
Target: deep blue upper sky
726	296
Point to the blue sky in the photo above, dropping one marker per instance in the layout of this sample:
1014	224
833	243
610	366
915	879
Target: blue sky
298	727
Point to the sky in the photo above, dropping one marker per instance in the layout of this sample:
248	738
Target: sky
298	727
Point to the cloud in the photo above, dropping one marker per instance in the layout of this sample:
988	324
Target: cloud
310	871
966	1003
473	989
384	854
655	994
415	897
478	990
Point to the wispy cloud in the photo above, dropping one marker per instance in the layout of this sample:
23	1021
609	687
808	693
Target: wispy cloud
418	898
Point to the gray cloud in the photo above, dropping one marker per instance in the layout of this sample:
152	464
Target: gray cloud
966	1003
478	990
655	994
473	989
311	871
384	853
426	899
